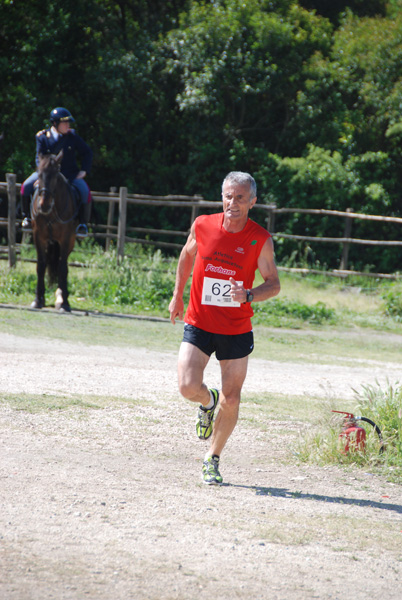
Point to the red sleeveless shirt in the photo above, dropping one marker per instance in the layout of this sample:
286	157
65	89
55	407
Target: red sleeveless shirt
221	255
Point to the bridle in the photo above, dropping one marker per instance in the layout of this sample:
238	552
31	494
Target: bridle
37	210
43	191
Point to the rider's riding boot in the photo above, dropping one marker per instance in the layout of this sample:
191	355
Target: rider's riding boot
26	212
84	216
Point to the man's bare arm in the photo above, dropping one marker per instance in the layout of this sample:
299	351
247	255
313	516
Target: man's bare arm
183	272
266	266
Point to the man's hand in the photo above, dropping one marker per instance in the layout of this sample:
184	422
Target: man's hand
237	291
176	309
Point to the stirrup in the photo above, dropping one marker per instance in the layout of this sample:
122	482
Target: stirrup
26	224
82	230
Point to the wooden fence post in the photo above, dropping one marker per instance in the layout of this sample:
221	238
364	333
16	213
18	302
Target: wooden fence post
346	245
12	211
121	232
195	210
110	216
271	219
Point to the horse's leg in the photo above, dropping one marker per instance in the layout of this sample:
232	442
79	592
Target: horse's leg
59	299
39	301
62	302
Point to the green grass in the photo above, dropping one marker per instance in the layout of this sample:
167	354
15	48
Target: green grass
94	329
41	403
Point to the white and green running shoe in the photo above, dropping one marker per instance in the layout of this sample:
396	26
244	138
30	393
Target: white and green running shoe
205	417
210	471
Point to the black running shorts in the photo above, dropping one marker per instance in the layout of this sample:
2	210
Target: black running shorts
226	347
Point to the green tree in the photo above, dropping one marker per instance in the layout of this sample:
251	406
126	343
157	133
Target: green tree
240	66
96	57
352	99
323	179
46	50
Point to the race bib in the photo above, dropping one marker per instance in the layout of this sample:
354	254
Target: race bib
216	292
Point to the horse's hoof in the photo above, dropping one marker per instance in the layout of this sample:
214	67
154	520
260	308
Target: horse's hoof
59	299
64	308
37	304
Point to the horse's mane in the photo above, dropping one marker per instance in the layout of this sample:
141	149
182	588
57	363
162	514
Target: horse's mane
47	161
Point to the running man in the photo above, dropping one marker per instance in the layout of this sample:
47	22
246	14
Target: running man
225	248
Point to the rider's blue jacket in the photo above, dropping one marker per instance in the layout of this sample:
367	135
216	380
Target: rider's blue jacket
72	145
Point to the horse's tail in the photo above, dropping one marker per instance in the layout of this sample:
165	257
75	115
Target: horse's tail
53	255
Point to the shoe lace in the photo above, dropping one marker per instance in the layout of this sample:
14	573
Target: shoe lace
204	417
213	466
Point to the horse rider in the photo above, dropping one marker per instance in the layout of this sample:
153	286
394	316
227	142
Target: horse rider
59	137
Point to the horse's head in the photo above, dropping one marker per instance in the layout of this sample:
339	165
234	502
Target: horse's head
48	171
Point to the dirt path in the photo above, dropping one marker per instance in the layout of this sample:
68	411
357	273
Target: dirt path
39	366
107	503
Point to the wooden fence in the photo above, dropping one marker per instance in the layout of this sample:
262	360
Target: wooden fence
122	234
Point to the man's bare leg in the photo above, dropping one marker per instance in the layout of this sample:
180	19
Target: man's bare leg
233	375
191	366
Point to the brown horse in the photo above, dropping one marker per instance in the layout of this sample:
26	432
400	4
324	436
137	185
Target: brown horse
54	221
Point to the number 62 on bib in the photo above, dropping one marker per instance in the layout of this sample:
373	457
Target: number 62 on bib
216	292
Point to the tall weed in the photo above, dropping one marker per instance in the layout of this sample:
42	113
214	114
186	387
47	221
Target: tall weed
323	444
384	407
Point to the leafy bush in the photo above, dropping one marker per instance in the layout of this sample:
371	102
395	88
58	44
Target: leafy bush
393	301
280	311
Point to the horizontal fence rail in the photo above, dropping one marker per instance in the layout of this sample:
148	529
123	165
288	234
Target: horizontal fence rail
123	234
308	238
338	213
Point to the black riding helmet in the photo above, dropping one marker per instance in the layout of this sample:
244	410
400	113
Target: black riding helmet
60	114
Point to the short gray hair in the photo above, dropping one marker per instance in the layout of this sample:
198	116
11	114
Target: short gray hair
242	178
